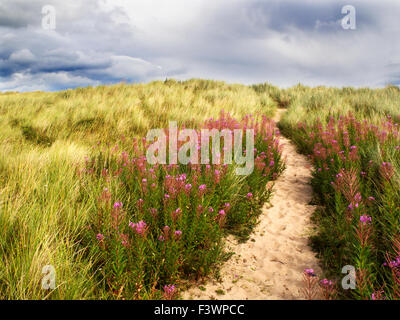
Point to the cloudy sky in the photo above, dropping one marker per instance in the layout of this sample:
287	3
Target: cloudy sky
247	41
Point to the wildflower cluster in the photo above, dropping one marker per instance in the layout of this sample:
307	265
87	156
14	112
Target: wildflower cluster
156	224
314	288
356	163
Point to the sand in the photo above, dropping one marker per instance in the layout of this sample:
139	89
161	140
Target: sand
270	265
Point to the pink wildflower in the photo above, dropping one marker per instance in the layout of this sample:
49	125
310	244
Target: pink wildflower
118	205
178	234
140	228
365	219
310	272
100	237
169	291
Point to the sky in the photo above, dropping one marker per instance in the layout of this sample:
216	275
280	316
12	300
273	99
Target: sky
95	42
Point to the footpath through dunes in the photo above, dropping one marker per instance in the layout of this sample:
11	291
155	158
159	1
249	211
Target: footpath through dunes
270	265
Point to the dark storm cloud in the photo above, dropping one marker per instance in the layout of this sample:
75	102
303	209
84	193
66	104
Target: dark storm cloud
19	14
89	45
310	15
283	42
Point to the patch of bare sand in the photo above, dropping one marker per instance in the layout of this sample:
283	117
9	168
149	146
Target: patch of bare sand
270	265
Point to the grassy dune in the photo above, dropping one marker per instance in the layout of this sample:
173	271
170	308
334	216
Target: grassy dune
55	147
45	138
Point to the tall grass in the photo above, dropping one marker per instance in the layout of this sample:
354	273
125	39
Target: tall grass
45	208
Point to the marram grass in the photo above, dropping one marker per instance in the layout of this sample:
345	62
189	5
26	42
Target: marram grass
48	208
45	137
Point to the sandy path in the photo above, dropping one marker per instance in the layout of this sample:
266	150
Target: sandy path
270	265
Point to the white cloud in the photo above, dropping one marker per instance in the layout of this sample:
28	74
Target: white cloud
22	56
249	41
43	82
128	67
